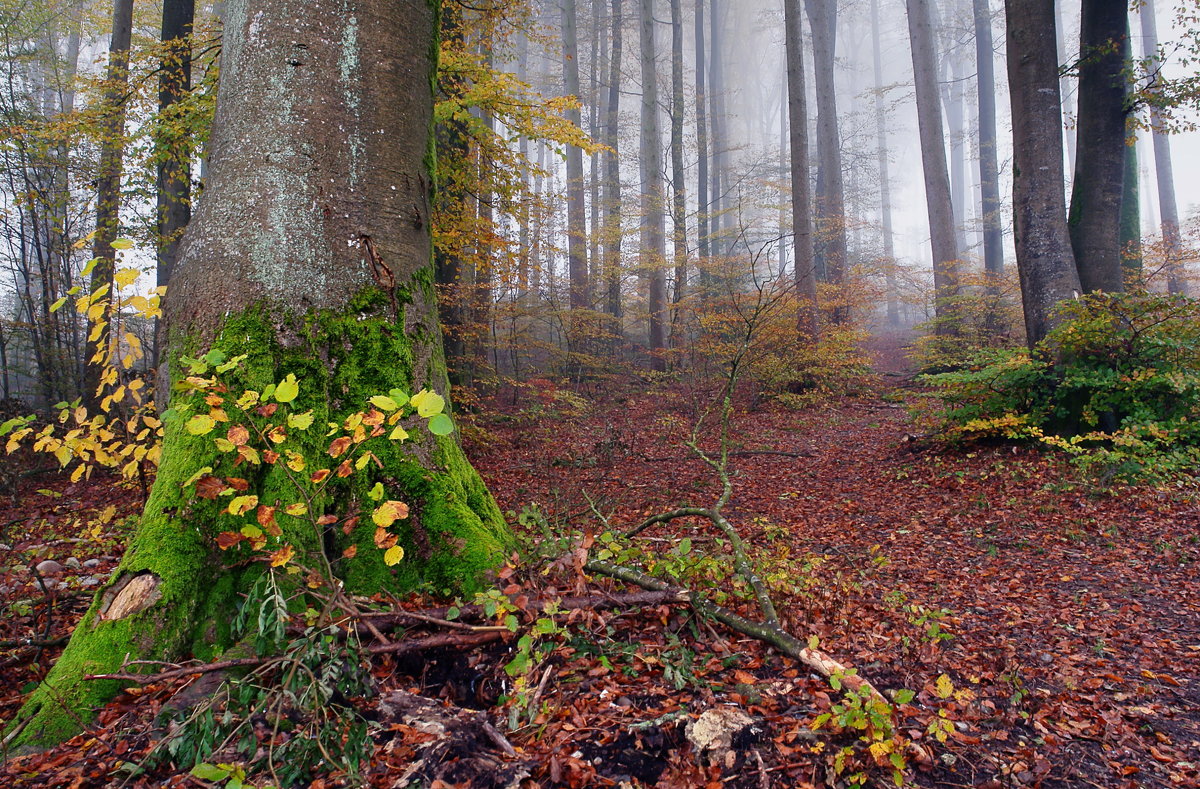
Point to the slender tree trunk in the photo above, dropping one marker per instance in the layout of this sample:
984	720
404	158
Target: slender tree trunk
885	186
1167	208
702	184
524	214
678	176
807	312
718	219
933	158
175	169
1095	217
576	208
612	171
1044	258
108	189
989	170
654	249
830	242
287	264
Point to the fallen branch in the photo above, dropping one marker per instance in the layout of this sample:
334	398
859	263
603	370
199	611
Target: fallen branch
186	671
437	642
770	634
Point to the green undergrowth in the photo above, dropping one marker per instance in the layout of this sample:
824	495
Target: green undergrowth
1116	387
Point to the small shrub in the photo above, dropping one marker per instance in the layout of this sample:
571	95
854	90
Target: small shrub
1116	386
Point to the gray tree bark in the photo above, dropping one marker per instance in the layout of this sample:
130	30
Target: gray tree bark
678	177
1094	220
807	313
612	171
989	170
577	266
830	241
885	186
654	246
933	158
1163	169
1044	258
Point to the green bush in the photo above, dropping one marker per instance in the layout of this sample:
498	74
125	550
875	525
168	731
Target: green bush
1116	385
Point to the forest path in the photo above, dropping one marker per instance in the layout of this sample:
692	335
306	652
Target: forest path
1074	614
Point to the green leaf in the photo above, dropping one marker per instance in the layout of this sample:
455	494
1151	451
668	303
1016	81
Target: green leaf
511	623
122	243
210	772
428	403
215	357
376	493
287	390
201	424
440	425
58	304
452	613
904	696
384	403
685	546
399	396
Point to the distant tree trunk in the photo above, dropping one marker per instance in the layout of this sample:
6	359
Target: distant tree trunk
1095	217
108	189
485	258
597	64
1044	258
885	186
1165	176
524	217
702	194
576	207
830	242
807	313
612	171
956	125
175	168
702	222
716	95
989	170
1131	221
933	158
654	247
678	176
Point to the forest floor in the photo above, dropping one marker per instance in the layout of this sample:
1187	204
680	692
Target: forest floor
1049	629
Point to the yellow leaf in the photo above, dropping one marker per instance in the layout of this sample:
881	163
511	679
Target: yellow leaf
428	403
201	424
376	493
399	434
282	556
944	688
287	390
384	403
299	421
393	555
298	509
126	277
240	505
389	512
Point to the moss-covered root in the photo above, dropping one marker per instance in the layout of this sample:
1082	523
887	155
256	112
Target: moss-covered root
148	611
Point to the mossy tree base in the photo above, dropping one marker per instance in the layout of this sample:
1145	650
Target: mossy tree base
175	593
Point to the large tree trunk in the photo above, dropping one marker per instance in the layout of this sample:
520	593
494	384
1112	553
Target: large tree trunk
1095	217
108	180
989	170
175	168
702	194
805	266
1131	221
933	160
1164	172
654	246
830	242
1044	258
576	208
311	255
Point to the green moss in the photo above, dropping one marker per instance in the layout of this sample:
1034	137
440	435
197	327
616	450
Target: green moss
455	535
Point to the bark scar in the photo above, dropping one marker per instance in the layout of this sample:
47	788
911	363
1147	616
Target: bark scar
381	272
